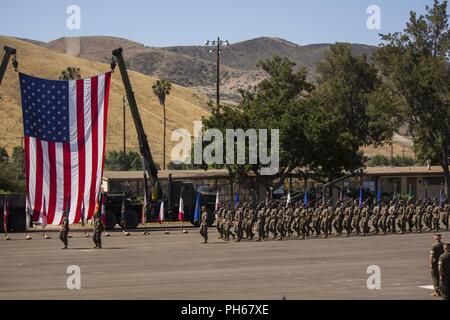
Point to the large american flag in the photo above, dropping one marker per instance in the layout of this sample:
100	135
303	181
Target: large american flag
65	133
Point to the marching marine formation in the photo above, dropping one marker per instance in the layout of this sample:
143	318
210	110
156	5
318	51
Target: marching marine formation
278	220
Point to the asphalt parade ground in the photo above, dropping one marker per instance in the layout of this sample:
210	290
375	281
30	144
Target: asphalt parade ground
179	266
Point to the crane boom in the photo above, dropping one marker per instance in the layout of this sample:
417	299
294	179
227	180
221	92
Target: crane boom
8	52
144	147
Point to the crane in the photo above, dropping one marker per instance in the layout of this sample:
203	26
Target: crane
8	53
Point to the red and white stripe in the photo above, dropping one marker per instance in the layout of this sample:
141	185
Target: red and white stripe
69	174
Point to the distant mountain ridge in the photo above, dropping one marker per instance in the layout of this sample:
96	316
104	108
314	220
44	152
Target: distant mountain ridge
195	66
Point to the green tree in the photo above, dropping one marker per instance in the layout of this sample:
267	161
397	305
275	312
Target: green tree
322	127
18	162
379	161
357	110
114	161
11	180
161	89
70	73
415	63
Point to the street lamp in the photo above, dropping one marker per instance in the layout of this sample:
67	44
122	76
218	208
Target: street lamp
215	46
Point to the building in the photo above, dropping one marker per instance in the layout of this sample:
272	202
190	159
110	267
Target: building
416	181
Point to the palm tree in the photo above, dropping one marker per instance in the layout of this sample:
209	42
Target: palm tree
71	73
161	89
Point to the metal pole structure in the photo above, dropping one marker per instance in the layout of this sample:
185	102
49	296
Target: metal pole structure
217	46
144	148
124	134
218	74
8	52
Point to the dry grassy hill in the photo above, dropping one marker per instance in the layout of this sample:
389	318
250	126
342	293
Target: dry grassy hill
195	66
183	105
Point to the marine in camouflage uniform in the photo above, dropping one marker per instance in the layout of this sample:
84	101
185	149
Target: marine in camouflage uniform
228	221
98	229
64	232
376	215
204	224
436	218
281	230
273	222
445	216
418	217
238	221
219	222
444	272
436	250
261	223
365	218
348	217
339	221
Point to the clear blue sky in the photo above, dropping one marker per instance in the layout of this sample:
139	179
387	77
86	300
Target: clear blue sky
191	22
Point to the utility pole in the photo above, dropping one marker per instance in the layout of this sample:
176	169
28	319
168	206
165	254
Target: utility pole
216	46
124	103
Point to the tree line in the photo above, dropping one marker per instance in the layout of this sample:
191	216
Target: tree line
353	102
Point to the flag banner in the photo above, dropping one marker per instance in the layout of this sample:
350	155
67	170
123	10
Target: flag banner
144	210
65	135
217	200
181	209
305	197
288	201
236	199
360	197
161	212
197	208
379	196
341	195
5	215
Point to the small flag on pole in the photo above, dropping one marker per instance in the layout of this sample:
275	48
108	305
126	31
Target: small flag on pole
236	199
305	197
217	199
5	215
161	212
181	209
144	210
360	196
379	195
197	208
288	201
